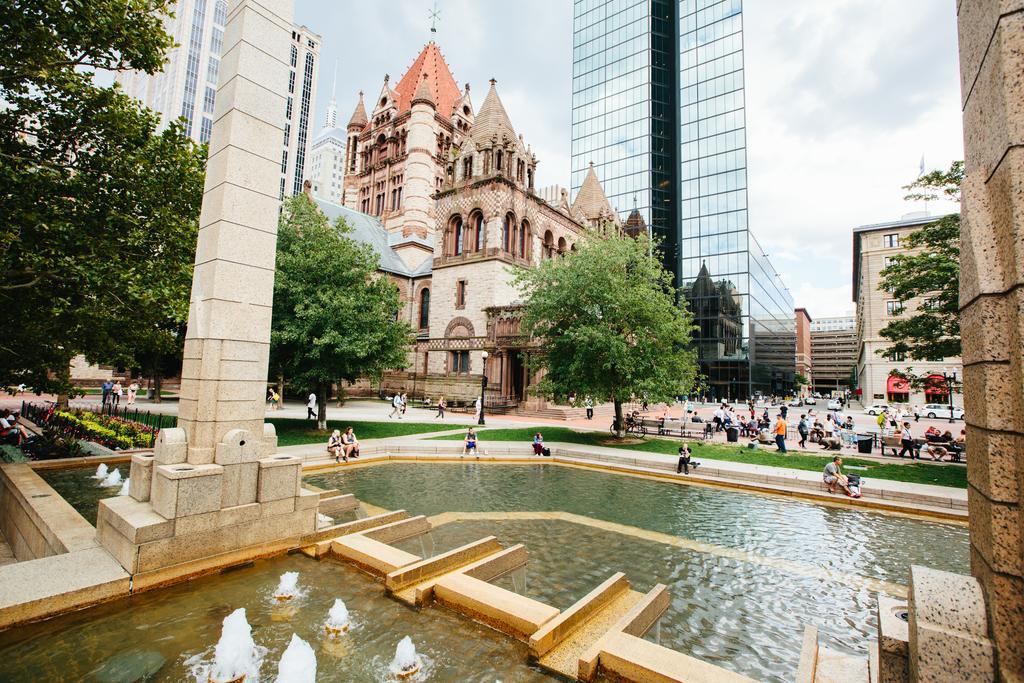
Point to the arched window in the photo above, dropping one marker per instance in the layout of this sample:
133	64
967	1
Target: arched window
456	236
424	308
508	233
524	239
549	244
497	162
561	246
467	168
477	222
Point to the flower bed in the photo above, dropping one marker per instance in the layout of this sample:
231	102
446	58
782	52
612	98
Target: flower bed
113	432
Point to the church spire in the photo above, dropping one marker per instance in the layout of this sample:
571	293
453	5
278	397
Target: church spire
359	118
332	105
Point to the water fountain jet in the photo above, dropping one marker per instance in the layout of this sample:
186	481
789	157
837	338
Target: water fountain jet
123	491
236	656
101	472
406	663
288	586
298	663
112	479
337	619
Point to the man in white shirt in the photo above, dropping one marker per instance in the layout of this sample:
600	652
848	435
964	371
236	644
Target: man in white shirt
719	418
311	406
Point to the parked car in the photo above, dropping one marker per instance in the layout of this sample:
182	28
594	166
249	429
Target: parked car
794	403
810	400
934	410
835	405
876	408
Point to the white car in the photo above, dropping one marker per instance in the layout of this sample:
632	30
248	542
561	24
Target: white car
934	410
835	405
876	408
810	400
794	403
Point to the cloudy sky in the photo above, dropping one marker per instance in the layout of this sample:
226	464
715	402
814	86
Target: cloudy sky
843	99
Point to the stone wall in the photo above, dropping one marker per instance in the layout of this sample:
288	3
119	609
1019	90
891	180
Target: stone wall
35	520
992	310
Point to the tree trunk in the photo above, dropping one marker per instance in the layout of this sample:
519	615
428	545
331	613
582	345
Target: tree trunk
65	381
321	406
280	389
341	393
158	382
618	418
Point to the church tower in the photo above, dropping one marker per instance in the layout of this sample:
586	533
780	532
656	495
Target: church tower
420	167
354	128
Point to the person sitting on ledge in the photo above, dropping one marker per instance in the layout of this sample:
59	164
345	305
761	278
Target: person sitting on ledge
469	443
833	475
538	445
938	452
685	460
351	444
334	446
12	431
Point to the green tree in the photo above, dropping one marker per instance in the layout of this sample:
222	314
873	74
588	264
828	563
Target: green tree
98	211
931	276
335	316
800	380
611	324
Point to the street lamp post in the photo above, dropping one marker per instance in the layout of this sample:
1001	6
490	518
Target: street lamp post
483	387
950	378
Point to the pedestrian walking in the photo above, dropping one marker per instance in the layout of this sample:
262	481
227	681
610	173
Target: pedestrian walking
396	406
311	406
917	413
405	403
116	392
906	441
780	433
133	390
783	411
441	405
478	404
105	391
804	429
588	403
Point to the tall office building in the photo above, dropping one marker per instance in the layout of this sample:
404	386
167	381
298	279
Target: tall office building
187	86
658	108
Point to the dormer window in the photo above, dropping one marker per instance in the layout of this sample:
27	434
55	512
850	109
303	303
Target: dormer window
383	102
467	167
465	110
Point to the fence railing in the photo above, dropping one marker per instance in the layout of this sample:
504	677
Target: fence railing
47	416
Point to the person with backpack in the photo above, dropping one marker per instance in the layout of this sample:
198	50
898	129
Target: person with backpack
804	429
396	406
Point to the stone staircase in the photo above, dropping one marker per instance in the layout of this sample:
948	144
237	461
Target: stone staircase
600	635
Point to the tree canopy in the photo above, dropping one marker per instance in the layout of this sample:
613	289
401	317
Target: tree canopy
611	324
335	317
930	277
98	210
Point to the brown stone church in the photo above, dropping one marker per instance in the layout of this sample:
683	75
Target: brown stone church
446	196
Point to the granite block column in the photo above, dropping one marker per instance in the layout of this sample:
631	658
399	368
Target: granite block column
991	35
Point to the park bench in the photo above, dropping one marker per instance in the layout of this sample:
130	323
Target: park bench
675	428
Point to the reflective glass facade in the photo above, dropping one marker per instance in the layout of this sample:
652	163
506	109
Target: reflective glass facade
658	107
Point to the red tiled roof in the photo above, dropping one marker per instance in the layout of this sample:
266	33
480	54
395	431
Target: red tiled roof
442	84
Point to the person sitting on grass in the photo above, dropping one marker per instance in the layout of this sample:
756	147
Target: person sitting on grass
833	476
469	443
685	460
351	444
335	447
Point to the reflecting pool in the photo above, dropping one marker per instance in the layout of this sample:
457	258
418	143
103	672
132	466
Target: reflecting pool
170	634
746	571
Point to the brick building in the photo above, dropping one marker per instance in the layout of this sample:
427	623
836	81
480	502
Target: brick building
447	196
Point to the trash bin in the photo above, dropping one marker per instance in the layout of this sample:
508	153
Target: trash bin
732	435
865	443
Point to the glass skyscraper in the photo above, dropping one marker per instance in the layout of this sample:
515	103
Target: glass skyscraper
658	107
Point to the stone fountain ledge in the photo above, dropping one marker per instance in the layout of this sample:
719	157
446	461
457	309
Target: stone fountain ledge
948	504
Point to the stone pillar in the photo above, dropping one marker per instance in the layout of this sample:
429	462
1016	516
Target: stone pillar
227	345
214	491
992	310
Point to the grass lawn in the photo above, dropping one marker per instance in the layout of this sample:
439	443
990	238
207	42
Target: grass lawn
292	432
922	473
